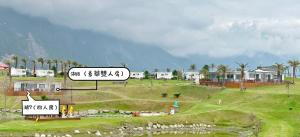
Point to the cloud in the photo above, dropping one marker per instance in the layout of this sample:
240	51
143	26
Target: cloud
182	27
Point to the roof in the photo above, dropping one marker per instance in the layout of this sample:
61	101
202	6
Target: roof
2	65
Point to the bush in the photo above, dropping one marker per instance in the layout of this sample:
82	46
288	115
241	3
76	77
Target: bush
164	95
177	95
44	97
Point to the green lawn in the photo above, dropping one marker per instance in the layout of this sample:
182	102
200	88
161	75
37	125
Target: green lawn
270	104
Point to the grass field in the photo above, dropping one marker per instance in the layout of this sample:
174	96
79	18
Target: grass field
270	105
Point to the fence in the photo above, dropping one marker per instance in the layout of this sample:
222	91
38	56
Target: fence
246	84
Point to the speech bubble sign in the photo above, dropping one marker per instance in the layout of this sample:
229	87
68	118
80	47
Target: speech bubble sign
99	73
41	107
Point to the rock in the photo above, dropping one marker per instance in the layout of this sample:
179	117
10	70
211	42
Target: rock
36	135
43	135
92	112
49	135
150	124
19	110
121	112
128	112
154	126
98	133
67	135
115	111
76	131
106	111
140	128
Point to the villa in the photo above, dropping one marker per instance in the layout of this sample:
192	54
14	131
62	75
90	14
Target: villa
44	73
18	72
164	75
261	74
137	75
192	75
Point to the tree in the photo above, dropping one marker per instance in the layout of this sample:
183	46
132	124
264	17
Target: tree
193	67
49	62
24	60
222	69
279	68
175	73
69	62
294	64
146	73
123	65
212	66
74	63
33	66
205	71
62	66
242	67
42	61
55	61
15	58
8	62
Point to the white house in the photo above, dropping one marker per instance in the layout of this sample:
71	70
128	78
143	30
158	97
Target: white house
44	73
164	75
17	72
191	75
258	75
137	75
36	86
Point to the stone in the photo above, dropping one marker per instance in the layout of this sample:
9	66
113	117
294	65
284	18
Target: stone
106	111
67	135
76	131
43	135
98	133
36	135
92	112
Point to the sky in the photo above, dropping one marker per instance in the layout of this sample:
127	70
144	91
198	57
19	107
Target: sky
214	28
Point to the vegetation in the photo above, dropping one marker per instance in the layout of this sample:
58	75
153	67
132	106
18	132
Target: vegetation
294	64
269	105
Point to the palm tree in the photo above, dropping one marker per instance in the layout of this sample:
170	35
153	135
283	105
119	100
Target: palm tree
193	67
49	62
124	65
205	71
242	67
62	65
42	61
34	66
24	60
69	62
212	66
15	58
55	61
279	68
294	64
74	63
222	69
8	62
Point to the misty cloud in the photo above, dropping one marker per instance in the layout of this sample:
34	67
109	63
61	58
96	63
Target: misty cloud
182	27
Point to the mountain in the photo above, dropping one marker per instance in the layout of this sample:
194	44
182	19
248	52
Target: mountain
35	37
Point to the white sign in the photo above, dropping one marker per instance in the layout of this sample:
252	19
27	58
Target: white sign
43	107
99	74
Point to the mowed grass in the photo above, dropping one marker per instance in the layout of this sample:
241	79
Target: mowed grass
270	104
